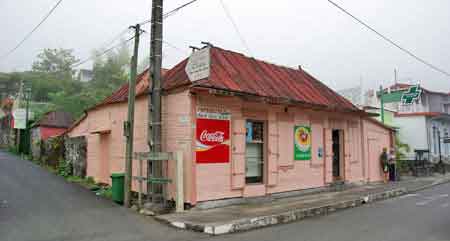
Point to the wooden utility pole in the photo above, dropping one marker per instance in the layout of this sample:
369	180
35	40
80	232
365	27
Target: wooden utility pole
129	124
154	100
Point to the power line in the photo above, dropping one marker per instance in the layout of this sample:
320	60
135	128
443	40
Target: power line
115	38
32	31
103	52
171	12
391	41
241	37
166	15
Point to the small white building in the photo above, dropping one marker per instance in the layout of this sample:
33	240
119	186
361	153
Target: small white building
85	75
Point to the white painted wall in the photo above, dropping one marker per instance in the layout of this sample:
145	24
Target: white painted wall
413	131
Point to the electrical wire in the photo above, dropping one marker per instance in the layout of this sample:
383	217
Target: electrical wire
171	12
32	31
235	26
391	41
166	15
103	52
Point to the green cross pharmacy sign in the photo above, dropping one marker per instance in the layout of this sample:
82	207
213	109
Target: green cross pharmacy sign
413	94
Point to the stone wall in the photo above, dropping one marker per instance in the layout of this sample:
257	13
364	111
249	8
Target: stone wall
75	153
52	150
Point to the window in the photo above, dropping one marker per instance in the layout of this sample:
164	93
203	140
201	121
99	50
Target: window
254	153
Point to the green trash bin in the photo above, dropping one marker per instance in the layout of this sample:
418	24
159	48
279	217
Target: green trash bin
118	180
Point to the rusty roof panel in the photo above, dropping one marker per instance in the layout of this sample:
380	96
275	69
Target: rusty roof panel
236	72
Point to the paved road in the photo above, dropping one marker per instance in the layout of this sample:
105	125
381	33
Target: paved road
36	205
424	216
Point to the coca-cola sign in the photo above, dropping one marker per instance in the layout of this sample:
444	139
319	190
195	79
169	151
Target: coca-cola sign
212	140
212	136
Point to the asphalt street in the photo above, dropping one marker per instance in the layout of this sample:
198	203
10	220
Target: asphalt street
423	216
36	205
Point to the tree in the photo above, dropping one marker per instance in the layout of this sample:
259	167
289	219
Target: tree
112	71
55	61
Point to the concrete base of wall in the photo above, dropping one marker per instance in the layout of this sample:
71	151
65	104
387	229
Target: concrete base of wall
337	186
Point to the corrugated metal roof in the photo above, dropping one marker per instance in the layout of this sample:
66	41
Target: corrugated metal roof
236	72
121	94
58	119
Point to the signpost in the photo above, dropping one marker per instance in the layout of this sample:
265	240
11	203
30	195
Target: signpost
198	65
19	118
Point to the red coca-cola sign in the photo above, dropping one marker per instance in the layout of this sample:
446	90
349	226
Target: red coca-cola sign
212	141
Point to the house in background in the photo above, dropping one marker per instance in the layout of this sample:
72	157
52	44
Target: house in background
85	75
424	124
246	128
51	124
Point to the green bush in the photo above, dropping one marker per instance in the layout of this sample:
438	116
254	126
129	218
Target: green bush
64	168
13	149
400	154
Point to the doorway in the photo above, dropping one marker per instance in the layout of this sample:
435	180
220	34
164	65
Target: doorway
337	155
254	152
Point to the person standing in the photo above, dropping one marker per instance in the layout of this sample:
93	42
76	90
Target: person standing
392	166
384	164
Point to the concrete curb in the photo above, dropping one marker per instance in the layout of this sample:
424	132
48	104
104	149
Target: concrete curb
296	214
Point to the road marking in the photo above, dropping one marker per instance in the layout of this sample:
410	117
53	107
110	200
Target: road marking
409	195
445	205
431	199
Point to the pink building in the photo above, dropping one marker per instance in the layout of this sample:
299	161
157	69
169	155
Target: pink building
250	128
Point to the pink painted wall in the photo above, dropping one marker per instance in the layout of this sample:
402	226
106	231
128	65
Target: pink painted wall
282	173
106	151
204	182
47	132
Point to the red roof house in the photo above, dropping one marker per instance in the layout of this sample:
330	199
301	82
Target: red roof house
250	128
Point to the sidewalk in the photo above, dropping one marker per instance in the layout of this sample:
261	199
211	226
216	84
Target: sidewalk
255	215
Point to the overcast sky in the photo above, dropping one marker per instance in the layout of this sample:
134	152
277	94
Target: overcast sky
311	33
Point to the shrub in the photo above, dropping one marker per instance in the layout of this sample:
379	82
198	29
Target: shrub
64	168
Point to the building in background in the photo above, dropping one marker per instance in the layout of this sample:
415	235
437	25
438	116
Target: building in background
85	75
425	123
51	124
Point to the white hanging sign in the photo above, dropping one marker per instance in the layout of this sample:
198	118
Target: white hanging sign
19	118
198	65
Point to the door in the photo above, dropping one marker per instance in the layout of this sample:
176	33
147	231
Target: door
337	153
254	152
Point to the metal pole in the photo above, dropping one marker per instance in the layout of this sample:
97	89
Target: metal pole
154	104
129	125
382	103
27	134
180	182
